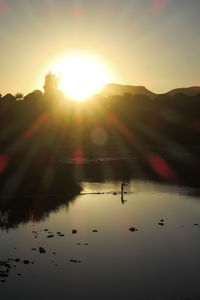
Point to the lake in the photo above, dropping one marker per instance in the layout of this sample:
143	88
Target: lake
103	258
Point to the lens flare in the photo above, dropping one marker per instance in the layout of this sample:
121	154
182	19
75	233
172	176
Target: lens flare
3	6
159	5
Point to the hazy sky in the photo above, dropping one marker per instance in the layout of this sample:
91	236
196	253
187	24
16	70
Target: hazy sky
155	43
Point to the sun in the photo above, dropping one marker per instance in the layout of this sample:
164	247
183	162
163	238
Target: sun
81	76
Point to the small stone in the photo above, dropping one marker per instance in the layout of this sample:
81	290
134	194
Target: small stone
86	244
78	243
17	260
19	274
42	250
34	249
54	253
74	231
3	280
161	224
46	229
3	275
161	220
61	235
58	232
73	260
132	229
50	236
26	262
114	194
196	224
95	230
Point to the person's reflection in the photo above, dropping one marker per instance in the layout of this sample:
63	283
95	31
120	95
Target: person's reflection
122	198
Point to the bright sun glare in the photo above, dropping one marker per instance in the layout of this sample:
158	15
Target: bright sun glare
81	76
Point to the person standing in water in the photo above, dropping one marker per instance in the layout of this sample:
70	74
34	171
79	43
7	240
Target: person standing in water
122	192
122	187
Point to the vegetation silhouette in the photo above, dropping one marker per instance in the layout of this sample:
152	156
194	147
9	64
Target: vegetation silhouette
159	138
51	84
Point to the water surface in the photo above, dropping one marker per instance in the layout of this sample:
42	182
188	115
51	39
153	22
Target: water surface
157	261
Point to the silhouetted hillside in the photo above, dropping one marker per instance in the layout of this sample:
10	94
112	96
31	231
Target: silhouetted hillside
118	89
114	89
190	91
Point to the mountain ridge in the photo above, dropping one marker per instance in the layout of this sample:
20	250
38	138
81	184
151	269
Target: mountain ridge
112	89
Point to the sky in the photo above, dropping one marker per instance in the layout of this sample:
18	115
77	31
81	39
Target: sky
154	43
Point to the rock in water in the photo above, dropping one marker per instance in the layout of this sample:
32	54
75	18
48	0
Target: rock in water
3	275
132	229
42	250
73	260
161	224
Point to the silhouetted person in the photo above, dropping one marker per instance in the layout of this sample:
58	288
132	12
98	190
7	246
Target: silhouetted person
122	192
122	187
